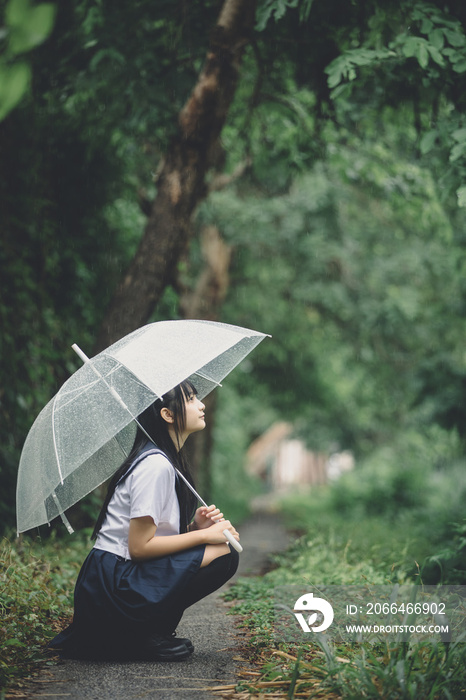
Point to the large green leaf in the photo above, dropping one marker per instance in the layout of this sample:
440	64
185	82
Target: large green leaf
30	26
14	83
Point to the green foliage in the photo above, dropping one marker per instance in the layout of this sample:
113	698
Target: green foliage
420	57
344	67
407	474
75	156
28	26
25	28
239	419
272	8
254	600
340	547
56	267
346	547
365	296
277	9
36	599
416	488
427	670
448	564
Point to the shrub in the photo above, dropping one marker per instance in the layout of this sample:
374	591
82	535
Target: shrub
36	596
448	564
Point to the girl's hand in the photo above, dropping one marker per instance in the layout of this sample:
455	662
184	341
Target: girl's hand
205	517
214	535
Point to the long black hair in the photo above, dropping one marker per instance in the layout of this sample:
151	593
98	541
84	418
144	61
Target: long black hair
153	423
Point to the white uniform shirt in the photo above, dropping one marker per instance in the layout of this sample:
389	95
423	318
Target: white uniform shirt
148	490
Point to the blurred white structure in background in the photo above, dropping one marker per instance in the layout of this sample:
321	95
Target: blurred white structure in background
281	461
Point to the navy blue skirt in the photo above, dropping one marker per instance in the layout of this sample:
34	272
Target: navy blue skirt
118	600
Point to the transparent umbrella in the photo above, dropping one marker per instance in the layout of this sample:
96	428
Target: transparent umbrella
87	430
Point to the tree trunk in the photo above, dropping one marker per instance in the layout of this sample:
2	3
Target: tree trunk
205	301
181	184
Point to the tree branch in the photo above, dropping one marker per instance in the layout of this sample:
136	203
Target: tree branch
222	180
181	184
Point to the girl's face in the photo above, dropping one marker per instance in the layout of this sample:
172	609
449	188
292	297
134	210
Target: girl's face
193	417
195	414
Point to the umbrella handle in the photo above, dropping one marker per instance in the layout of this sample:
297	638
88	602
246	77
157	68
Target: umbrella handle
234	543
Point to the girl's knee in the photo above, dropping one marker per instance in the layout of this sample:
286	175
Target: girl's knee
214	551
225	566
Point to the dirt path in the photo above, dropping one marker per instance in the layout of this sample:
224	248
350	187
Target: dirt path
216	641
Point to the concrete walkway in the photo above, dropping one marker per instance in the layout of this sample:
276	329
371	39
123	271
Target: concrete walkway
216	641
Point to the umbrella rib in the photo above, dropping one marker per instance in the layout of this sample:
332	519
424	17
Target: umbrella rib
111	389
206	376
55	441
73	394
61	513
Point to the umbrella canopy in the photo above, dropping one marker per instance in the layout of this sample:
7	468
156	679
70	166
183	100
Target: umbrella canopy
87	430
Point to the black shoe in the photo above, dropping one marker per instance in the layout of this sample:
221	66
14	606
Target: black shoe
159	648
184	640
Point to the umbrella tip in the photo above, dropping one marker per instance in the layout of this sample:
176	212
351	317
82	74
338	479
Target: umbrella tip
80	353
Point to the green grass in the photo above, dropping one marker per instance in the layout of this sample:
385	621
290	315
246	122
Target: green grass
334	548
36	597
